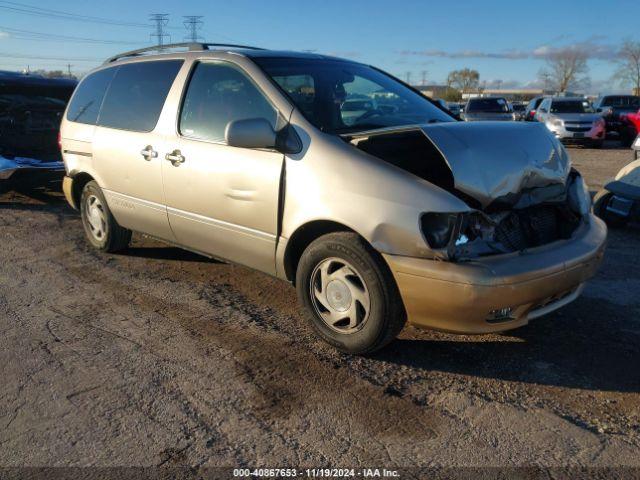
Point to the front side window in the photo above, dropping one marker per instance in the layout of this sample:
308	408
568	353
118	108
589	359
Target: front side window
488	105
343	97
219	93
137	94
86	101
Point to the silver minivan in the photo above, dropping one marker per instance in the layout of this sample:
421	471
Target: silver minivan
388	212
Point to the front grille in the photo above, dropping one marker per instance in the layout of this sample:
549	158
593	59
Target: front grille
577	129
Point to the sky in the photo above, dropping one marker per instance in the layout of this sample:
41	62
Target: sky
506	41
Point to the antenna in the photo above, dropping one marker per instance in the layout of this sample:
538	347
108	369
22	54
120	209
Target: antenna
193	23
161	21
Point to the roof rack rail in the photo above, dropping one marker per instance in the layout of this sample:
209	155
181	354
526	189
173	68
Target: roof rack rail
191	47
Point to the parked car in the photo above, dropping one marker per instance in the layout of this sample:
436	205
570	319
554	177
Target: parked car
487	108
572	120
636	148
401	214
530	109
355	108
613	108
31	109
518	111
618	201
632	121
454	107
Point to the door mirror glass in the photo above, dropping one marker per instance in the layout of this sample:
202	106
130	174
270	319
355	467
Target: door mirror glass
250	133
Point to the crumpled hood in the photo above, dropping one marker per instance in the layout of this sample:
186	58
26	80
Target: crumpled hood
9	165
490	160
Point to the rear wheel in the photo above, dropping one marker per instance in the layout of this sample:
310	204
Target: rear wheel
101	229
600	203
350	296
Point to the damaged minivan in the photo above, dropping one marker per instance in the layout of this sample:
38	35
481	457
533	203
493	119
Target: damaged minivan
394	213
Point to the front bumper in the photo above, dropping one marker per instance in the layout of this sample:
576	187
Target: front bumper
595	133
460	297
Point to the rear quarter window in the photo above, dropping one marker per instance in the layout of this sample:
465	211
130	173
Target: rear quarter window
86	101
137	94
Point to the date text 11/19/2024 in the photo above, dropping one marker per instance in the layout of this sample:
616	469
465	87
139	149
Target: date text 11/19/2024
315	473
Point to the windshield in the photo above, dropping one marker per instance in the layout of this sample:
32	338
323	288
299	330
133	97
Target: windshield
343	97
489	105
622	101
572	106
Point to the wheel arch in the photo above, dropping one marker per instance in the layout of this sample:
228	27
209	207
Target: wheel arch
302	238
79	181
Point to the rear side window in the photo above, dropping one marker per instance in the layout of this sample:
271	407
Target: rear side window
136	95
220	93
86	101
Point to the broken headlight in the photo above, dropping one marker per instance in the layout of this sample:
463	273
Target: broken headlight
438	228
579	196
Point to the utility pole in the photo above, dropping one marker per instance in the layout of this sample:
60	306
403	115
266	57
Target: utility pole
193	23
69	69
424	77
408	78
161	21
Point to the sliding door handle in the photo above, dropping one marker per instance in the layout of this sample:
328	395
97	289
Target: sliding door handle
148	153
175	157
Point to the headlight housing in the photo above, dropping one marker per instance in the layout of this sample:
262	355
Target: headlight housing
438	228
557	123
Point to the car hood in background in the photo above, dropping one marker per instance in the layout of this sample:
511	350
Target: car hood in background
575	117
484	116
502	161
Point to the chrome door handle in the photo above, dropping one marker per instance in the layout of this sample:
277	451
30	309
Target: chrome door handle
148	153
175	157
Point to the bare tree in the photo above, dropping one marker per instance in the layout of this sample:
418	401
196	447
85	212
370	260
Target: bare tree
465	80
566	69
628	72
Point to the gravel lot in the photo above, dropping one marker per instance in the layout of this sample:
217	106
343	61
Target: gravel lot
162	357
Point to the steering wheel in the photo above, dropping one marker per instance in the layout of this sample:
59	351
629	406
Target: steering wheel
369	114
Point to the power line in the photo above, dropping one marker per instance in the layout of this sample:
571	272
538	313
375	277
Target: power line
39	57
193	23
161	21
31	35
60	15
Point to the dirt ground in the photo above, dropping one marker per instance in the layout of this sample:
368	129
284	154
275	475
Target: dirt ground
161	357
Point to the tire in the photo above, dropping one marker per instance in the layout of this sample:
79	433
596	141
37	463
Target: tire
101	229
597	144
600	202
349	278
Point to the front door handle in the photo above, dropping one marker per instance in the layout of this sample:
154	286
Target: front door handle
148	153
175	157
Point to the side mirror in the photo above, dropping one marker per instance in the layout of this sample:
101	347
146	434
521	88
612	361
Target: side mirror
250	133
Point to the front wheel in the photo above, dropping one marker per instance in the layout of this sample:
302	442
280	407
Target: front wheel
350	296
101	229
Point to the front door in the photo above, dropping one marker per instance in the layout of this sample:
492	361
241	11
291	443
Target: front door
223	200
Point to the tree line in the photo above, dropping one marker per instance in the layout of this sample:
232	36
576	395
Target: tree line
565	70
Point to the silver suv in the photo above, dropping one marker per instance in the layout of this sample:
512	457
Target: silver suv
572	120
396	212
